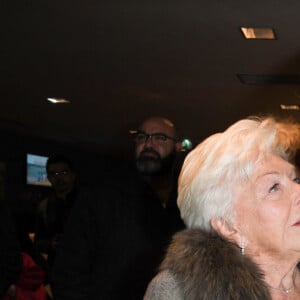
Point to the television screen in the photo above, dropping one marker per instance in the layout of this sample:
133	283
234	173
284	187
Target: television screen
36	170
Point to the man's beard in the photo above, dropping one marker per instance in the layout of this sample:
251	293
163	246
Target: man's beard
154	164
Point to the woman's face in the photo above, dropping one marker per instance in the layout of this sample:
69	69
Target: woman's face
268	209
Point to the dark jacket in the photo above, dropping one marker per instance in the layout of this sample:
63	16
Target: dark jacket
114	242
51	218
201	265
10	252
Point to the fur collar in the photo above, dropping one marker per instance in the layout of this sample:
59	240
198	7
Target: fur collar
209	267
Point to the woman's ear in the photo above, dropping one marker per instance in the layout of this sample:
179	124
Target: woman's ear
224	229
229	232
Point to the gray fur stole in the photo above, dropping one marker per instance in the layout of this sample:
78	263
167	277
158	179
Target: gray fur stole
209	267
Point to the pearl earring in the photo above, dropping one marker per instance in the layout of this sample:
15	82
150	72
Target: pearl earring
242	247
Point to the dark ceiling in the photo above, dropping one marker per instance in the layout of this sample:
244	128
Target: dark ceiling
121	61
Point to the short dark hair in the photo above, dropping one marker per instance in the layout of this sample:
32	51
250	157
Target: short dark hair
54	159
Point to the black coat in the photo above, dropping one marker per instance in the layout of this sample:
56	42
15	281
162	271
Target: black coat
10	252
50	221
114	242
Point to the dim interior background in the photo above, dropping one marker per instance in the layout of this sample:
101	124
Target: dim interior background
118	62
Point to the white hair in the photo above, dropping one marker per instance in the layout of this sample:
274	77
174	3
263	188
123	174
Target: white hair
213	171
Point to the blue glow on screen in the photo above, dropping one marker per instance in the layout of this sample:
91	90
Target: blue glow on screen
36	170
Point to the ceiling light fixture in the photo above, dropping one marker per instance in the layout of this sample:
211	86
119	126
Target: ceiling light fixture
58	100
289	107
258	33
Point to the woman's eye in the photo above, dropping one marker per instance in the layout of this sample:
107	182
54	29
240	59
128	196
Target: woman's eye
274	188
297	180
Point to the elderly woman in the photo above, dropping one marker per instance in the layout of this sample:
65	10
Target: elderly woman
240	200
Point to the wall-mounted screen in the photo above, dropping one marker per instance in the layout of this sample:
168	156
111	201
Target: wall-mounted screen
36	170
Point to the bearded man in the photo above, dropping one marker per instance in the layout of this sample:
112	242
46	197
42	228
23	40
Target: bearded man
117	236
156	150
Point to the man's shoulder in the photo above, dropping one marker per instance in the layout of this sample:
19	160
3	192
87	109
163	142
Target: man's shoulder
42	206
125	175
122	188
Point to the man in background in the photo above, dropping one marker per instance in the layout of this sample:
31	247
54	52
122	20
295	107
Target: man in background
117	235
54	210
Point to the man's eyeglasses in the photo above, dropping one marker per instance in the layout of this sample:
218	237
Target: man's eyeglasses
157	138
61	173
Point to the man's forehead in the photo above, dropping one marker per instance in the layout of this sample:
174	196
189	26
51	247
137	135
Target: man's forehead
157	125
59	165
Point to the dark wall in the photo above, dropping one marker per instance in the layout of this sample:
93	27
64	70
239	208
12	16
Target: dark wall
91	168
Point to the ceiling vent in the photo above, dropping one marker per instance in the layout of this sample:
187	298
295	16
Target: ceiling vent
268	79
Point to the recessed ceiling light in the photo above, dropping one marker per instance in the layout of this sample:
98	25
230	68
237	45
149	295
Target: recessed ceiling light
258	33
133	131
289	107
58	100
